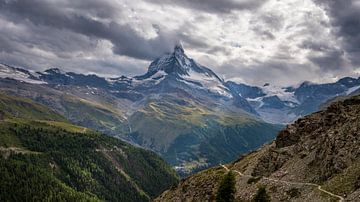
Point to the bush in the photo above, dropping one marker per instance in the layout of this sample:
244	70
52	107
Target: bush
293	193
261	195
226	189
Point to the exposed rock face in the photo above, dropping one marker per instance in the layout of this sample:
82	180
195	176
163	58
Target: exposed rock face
321	149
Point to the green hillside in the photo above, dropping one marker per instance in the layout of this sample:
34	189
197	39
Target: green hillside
52	160
93	115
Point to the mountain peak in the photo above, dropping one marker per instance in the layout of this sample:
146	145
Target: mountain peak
54	70
179	49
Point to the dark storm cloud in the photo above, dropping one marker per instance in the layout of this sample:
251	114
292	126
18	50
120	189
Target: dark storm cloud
214	6
331	60
125	39
326	57
345	16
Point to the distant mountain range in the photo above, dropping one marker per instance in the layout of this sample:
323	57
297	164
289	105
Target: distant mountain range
178	108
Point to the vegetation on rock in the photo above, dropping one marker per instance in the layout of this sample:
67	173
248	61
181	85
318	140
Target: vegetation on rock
226	188
261	195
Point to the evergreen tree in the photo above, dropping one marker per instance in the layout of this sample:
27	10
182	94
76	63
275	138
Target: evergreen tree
226	189
261	195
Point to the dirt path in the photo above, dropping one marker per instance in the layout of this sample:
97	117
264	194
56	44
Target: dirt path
341	199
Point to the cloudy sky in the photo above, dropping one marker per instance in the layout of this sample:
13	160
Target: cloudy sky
282	42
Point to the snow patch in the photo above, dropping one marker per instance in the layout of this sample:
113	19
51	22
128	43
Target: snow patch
208	82
259	102
280	92
12	73
352	89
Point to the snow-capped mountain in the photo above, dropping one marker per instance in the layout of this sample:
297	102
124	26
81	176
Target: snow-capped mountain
285	104
178	66
19	74
176	72
178	108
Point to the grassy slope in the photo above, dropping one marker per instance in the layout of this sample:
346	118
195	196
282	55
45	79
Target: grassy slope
84	112
56	160
187	131
93	115
11	106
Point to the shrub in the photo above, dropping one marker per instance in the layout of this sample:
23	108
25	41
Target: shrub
261	195
226	189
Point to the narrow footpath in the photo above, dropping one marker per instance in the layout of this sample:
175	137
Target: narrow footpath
341	199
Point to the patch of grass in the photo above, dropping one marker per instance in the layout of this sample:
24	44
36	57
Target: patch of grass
66	126
96	116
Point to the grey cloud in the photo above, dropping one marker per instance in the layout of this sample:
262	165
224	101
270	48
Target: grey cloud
324	56
272	20
331	60
266	24
125	39
214	6
272	71
69	34
263	33
345	15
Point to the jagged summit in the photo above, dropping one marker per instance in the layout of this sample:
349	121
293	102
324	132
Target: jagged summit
179	48
54	70
178	67
177	64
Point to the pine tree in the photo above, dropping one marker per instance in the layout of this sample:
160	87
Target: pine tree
226	189
261	195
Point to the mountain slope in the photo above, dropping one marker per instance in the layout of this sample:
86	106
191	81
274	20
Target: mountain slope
74	103
314	159
179	109
11	106
46	159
